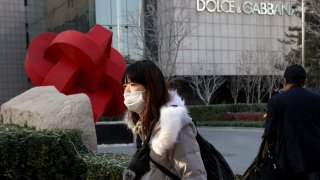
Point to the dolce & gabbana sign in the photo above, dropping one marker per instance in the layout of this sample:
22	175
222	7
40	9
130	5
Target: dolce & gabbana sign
247	7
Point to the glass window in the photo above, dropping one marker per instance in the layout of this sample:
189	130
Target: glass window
103	12
123	18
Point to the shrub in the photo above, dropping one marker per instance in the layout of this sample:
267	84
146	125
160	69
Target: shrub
218	112
106	165
248	116
111	118
29	154
26	153
257	124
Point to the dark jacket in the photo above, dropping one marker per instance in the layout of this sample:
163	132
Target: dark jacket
294	125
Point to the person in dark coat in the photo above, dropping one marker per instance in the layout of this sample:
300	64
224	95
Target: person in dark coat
293	126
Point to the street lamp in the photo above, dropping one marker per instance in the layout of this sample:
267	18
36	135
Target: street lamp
302	33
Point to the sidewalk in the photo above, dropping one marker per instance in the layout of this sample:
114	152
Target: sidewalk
239	146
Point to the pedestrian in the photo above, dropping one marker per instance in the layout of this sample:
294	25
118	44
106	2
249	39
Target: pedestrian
159	117
293	128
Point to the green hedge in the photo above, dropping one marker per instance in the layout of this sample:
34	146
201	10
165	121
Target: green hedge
111	118
256	124
26	153
29	154
103	166
214	112
209	113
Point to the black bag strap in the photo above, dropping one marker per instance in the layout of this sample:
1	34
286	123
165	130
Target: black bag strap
199	138
140	142
165	170
265	151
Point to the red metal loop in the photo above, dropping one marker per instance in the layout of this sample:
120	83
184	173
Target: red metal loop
74	63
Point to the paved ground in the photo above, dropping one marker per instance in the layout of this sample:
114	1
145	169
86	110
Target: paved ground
238	145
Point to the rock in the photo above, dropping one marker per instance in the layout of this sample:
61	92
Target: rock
44	107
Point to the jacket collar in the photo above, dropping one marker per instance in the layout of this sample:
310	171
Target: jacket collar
173	117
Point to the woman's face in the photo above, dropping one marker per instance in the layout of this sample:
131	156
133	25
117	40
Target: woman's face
132	87
134	101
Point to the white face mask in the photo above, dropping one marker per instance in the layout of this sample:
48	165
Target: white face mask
134	101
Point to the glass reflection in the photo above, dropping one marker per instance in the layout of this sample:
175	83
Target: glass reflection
123	18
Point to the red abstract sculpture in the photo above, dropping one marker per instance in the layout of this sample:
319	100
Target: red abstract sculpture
74	63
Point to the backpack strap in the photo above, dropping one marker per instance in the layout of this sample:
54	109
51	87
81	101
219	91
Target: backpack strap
165	170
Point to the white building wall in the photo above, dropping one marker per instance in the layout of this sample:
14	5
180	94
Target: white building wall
218	40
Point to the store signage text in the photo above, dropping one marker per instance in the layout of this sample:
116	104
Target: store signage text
247	7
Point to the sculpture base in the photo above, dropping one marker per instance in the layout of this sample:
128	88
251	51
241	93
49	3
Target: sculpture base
113	133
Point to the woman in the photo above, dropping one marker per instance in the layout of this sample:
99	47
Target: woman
161	115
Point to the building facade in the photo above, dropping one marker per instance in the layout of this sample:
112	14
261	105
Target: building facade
13	43
59	15
226	37
197	37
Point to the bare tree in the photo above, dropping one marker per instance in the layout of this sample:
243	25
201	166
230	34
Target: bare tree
262	71
205	86
235	87
278	63
247	74
262	58
165	26
253	71
274	79
260	86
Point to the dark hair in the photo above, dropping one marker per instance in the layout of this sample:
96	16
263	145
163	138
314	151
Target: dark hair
150	76
295	74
